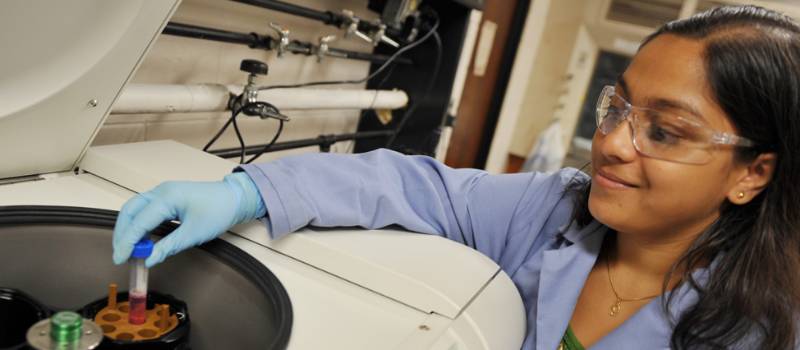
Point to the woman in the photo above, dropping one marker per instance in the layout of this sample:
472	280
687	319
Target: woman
684	236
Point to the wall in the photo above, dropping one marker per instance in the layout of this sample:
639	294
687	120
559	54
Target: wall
178	60
547	80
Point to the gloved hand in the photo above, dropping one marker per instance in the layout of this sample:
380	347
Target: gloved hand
205	210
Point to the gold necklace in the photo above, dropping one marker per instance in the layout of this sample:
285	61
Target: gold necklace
616	307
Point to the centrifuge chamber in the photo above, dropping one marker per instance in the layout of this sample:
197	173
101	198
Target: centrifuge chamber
59	256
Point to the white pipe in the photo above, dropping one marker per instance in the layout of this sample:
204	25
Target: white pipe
156	98
167	98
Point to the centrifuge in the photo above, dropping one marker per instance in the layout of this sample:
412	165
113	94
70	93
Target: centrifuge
64	64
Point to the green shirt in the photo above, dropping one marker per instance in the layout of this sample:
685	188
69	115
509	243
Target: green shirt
569	341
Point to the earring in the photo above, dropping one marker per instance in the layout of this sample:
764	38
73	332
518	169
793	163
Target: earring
740	195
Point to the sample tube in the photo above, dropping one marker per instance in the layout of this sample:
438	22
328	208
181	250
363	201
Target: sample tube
137	290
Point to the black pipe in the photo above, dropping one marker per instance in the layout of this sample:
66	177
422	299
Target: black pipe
324	17
327	17
324	141
256	41
371	57
298	47
197	32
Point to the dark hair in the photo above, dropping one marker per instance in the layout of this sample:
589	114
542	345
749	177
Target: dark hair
752	294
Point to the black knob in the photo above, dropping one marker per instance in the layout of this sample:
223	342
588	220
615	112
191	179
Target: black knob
254	67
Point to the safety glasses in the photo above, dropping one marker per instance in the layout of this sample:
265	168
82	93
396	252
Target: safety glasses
660	134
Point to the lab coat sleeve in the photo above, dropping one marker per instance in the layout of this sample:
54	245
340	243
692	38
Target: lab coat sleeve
382	188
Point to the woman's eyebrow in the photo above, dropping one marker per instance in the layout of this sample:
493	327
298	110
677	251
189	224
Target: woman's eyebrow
665	103
657	103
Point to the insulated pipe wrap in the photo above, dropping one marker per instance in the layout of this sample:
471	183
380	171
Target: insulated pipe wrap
152	98
166	98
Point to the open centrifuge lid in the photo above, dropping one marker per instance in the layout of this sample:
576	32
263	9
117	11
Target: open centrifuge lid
63	65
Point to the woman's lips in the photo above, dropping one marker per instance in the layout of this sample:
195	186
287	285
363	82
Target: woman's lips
610	181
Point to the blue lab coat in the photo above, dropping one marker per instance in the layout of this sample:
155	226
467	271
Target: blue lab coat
521	221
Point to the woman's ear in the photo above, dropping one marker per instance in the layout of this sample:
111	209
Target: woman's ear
756	177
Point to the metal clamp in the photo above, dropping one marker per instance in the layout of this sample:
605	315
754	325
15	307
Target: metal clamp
251	90
283	35
265	111
380	36
352	26
323	49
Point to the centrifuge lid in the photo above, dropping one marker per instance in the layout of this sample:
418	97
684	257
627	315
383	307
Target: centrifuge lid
63	65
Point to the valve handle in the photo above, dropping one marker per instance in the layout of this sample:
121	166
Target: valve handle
323	47
254	67
279	29
352	26
283	38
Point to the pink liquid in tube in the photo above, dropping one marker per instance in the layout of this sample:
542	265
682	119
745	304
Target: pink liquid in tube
138	307
137	291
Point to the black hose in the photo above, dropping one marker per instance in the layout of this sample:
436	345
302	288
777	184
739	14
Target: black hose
322	140
407	115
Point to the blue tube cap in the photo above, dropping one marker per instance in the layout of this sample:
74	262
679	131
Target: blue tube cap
142	249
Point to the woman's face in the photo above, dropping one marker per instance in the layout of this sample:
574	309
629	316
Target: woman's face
636	194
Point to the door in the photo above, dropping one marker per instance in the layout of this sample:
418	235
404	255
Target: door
485	82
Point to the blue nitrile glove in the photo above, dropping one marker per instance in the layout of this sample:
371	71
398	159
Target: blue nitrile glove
205	210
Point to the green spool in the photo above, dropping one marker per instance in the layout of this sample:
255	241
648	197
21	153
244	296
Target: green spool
66	327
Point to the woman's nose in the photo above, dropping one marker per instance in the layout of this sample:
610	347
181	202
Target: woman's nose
618	143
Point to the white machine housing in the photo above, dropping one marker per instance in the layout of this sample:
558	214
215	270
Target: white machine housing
350	289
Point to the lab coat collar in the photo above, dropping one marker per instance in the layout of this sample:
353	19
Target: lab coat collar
570	233
564	272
